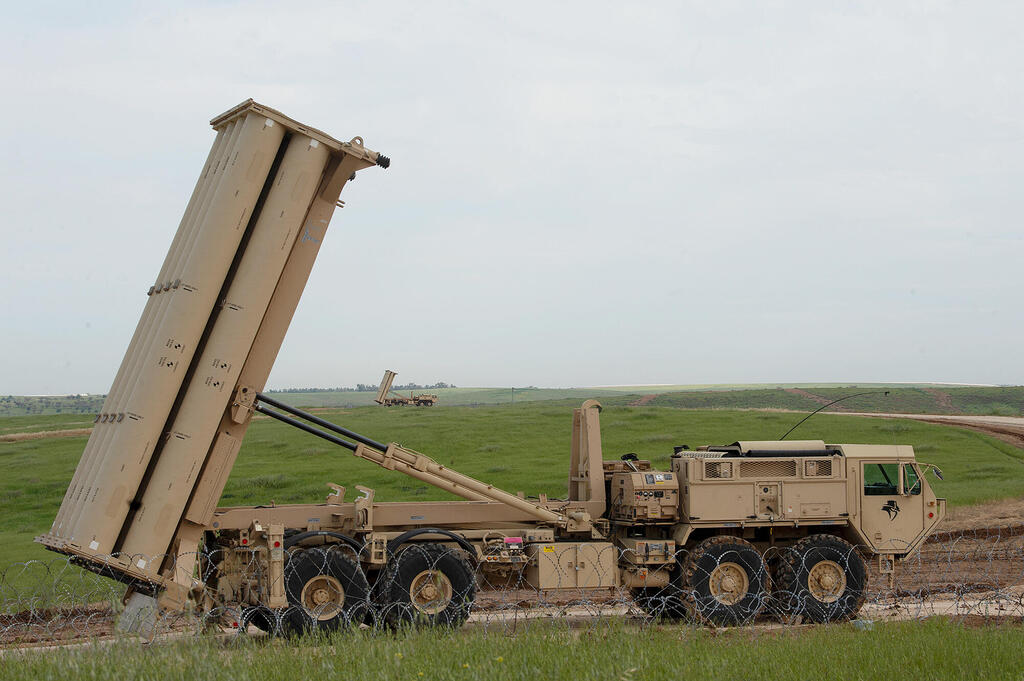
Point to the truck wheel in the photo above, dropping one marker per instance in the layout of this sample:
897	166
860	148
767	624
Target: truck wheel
726	581
666	602
261	617
326	591
429	585
820	578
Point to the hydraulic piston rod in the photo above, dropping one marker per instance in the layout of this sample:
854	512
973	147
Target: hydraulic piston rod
413	464
380	446
306	427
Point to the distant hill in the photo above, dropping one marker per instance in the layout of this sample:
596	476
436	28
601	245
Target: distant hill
903	398
1001	401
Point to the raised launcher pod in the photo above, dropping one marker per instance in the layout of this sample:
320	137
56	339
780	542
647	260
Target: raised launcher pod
159	455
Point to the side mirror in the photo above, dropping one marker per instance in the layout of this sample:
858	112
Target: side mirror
935	469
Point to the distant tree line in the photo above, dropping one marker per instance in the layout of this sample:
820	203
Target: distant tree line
20	405
365	388
23	405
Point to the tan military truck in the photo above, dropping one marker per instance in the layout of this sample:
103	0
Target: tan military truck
720	535
723	534
396	400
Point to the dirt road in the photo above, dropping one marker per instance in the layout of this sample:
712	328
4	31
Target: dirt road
1006	428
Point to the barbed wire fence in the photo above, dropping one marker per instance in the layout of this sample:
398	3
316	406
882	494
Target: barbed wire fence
956	574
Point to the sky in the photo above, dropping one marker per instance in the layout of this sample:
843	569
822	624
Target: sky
581	193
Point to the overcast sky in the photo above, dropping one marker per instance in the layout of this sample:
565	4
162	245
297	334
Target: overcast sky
580	194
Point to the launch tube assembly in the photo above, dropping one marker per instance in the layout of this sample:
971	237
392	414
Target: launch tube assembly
142	504
212	325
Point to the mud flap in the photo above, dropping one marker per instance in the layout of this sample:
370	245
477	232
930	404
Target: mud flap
887	567
139	616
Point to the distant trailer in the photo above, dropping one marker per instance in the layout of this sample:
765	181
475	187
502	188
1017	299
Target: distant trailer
396	400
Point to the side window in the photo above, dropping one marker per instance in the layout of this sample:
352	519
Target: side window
881	479
911	480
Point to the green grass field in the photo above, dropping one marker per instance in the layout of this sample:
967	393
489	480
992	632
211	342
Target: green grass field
34	423
525	447
933	649
521	447
903	398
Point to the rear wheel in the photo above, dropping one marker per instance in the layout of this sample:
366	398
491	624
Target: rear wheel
726	580
428	585
326	591
820	578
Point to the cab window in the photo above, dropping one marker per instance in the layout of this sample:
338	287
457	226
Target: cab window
881	479
911	480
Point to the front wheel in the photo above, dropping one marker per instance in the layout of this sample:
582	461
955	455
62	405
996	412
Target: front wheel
820	578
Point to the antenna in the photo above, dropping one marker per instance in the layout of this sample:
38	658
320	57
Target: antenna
871	392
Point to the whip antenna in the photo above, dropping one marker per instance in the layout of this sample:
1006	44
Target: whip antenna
872	392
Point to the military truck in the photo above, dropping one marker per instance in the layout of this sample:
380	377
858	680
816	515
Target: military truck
396	400
721	534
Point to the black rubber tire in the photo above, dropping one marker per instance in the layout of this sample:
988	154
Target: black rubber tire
306	565
696	574
261	617
793	568
667	602
406	565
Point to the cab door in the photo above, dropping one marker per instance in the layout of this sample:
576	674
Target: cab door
891	505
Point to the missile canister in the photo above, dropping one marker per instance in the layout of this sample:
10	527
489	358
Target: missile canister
169	430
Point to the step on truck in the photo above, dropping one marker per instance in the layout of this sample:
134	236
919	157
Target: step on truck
721	535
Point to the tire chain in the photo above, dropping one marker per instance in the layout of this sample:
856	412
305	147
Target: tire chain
57	601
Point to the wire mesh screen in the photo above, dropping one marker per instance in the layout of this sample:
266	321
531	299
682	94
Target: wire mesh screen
768	469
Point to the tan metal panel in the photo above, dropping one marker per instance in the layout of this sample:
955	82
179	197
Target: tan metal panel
781	445
167	358
113	404
214	476
719	501
596	565
814	499
280	311
218	365
551	565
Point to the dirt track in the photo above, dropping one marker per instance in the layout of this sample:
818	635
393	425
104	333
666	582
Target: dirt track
40	435
1006	428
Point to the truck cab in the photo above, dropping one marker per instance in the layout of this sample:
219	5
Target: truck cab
895	508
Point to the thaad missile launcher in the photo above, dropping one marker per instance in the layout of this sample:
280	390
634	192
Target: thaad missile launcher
718	535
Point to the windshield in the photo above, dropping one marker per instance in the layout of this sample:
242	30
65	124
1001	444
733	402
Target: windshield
880	479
